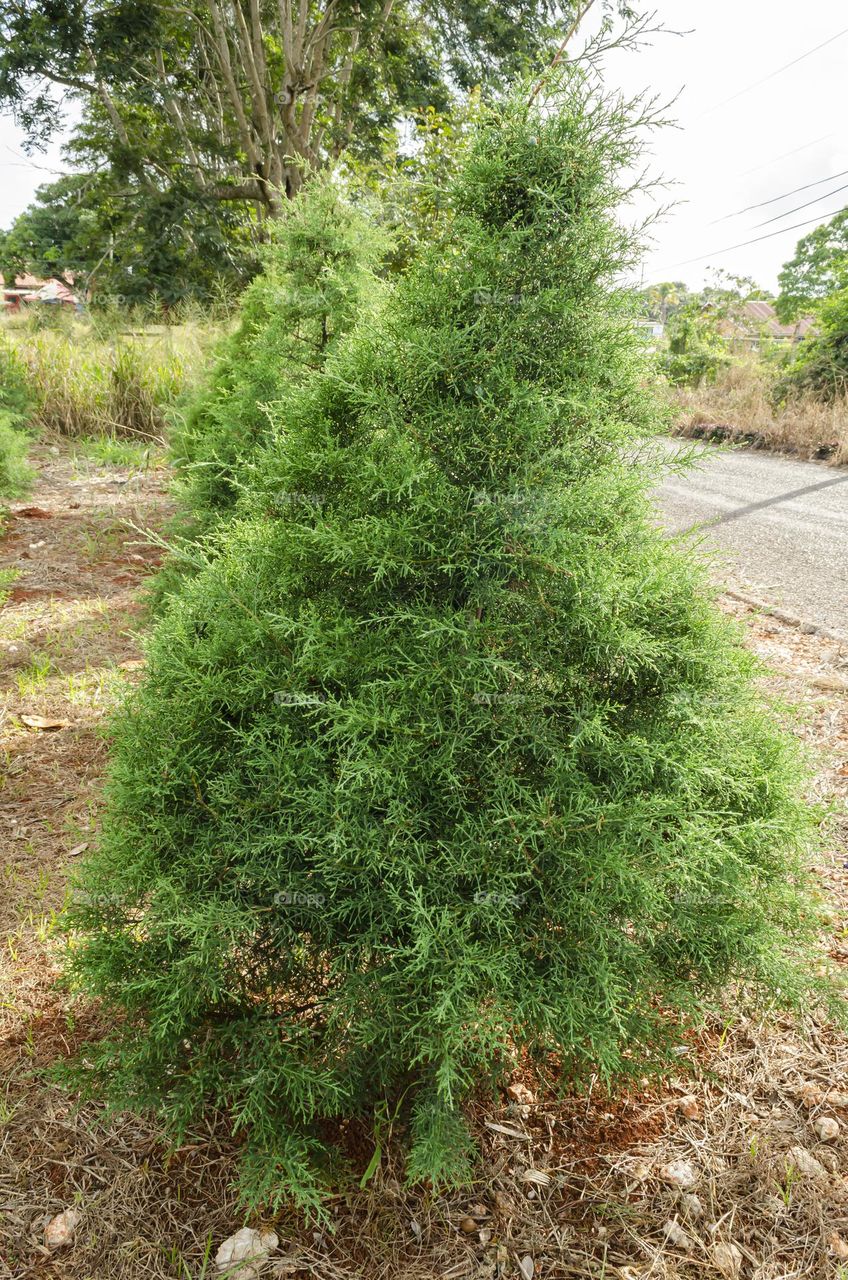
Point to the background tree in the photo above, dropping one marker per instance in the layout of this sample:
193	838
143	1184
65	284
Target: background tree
816	270
662	300
199	119
118	244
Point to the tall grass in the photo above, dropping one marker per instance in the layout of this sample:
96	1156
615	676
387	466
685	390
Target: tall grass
85	378
740	406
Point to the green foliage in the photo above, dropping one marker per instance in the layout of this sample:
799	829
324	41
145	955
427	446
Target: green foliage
446	757
16	475
661	301
119	244
198	121
318	278
702	327
820	367
15	405
697	349
15	397
819	264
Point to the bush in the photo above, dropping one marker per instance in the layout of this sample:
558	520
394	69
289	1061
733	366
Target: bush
317	280
16	475
15	405
821	366
446	758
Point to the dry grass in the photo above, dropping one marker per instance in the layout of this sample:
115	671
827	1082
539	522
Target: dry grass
86	380
738	407
579	1186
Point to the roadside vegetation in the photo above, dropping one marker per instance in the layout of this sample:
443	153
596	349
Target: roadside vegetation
735	375
115	375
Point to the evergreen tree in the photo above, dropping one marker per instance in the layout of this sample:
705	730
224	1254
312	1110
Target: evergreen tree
446	756
318	277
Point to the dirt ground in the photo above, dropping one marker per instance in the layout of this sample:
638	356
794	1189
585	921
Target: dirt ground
737	1168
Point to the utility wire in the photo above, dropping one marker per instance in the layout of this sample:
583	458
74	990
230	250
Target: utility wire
798	208
757	239
763	203
758	168
779	71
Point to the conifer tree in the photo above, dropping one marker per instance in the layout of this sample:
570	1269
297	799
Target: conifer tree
318	277
447	756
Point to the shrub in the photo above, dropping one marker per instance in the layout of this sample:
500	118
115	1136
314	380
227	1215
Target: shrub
447	756
16	475
15	405
317	279
821	367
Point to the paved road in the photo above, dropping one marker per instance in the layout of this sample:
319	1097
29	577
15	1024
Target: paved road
777	528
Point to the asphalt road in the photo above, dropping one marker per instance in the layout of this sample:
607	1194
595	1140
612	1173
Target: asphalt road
772	526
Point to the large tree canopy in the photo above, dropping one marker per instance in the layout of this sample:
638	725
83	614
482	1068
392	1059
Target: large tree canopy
247	94
816	270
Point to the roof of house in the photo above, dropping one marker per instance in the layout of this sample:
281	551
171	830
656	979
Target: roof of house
21	282
763	315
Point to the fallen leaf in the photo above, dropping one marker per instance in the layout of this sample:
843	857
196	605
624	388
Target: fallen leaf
508	1131
33	513
131	664
838	1246
811	1094
536	1176
43	722
690	1107
527	1267
520	1093
78	849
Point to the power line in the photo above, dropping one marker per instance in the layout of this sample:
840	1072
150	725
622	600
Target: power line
779	71
758	168
798	208
774	200
757	239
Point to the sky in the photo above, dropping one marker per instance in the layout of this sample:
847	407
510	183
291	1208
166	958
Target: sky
725	156
721	157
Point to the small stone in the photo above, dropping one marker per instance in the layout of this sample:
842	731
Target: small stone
728	1259
676	1236
478	1211
485	1235
59	1232
243	1254
827	1129
678	1173
689	1107
468	1225
692	1205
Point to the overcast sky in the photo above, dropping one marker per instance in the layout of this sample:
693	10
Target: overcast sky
723	156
